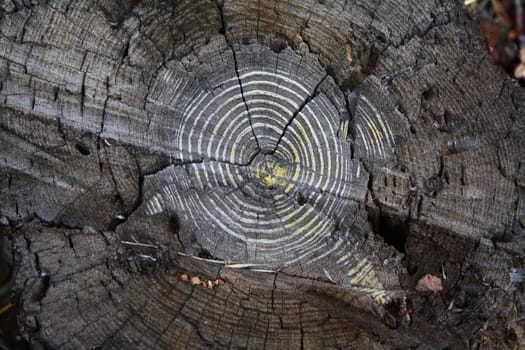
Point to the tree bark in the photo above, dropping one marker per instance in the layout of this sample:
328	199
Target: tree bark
259	174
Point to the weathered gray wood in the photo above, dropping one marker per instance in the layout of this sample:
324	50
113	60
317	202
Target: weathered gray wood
145	140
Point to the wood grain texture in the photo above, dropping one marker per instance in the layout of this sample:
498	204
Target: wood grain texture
318	156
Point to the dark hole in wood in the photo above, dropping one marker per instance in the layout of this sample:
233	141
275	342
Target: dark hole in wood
412	267
395	312
393	229
174	228
301	199
278	44
83	149
428	94
70	242
174	224
503	236
203	253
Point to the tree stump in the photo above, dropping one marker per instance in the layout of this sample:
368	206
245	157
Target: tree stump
259	174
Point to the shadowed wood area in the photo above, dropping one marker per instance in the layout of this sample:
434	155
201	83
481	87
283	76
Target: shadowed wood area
259	174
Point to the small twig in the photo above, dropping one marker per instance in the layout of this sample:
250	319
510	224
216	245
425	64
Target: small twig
202	259
451	304
139	244
252	267
242	266
5	308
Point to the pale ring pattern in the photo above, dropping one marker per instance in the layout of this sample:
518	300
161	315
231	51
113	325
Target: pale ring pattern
266	178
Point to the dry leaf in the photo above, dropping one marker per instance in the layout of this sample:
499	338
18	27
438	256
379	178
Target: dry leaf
519	71
429	283
195	280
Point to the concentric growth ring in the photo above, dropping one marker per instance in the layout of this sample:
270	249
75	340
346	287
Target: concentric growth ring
267	177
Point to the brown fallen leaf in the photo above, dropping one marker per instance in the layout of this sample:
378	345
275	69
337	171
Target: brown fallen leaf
429	283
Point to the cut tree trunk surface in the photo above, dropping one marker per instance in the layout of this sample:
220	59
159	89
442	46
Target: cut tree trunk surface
258	174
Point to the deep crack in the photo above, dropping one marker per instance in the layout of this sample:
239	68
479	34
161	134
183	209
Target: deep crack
309	98
245	103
